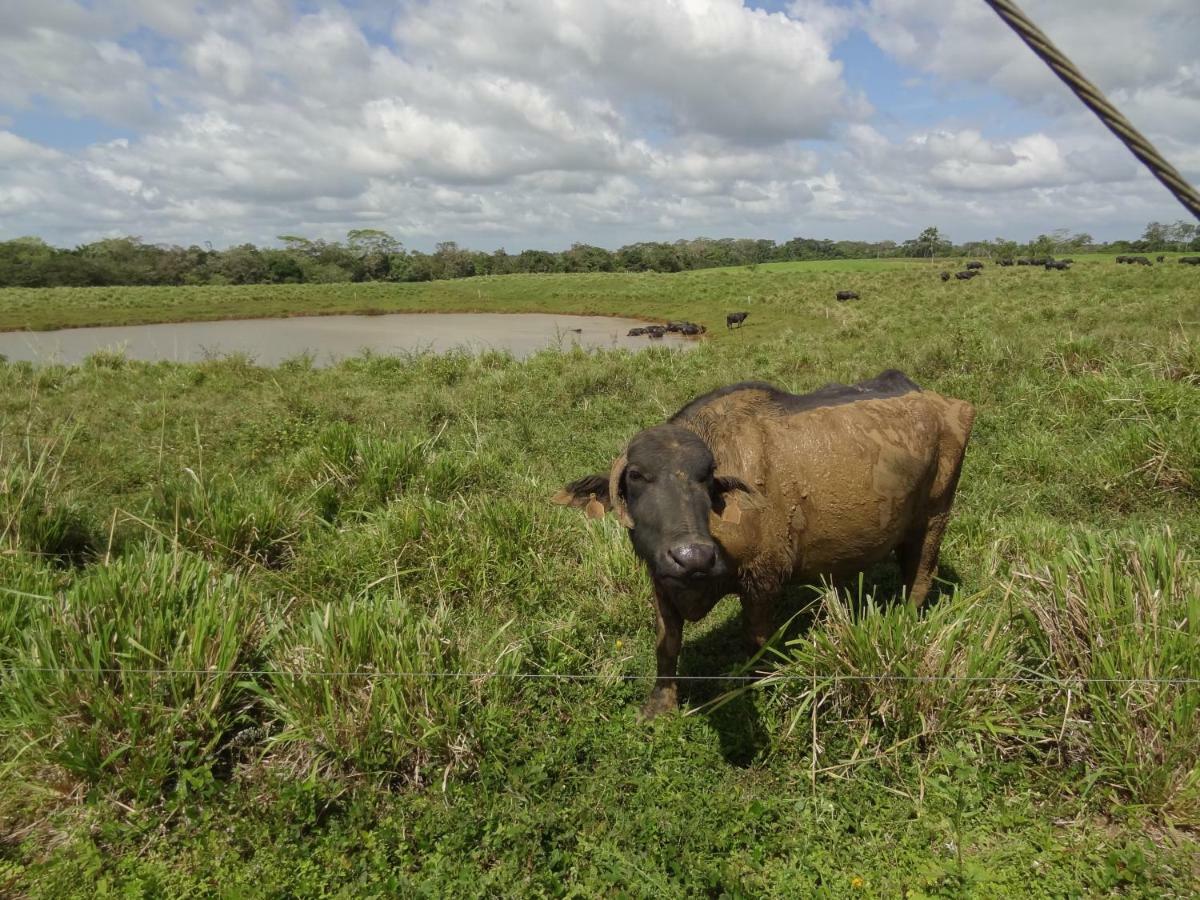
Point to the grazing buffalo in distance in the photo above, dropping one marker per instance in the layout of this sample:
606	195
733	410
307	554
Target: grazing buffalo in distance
1061	264
1190	260
966	275
1024	261
974	264
1122	259
1005	262
945	276
847	295
1139	261
736	318
636	332
1160	258
749	488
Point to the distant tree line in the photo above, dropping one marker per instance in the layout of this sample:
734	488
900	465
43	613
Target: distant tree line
371	255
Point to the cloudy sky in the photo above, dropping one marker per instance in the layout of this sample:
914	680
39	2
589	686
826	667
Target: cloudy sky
538	123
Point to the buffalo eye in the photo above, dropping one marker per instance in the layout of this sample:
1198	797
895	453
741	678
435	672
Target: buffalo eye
636	476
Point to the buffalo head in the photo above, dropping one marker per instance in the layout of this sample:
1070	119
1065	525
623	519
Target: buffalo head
664	488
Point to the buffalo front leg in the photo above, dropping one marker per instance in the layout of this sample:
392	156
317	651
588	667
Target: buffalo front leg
669	628
756	618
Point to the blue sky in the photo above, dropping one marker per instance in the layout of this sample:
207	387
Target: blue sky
538	124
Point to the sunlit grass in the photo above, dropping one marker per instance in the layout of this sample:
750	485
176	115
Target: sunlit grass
347	538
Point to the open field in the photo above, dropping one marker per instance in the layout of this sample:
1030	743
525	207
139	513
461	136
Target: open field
207	573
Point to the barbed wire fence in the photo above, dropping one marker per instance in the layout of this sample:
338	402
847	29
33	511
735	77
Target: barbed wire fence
1138	144
765	677
1094	99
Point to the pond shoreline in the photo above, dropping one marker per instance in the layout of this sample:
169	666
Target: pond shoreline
371	311
331	337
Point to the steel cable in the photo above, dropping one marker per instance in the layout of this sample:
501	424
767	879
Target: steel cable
1098	103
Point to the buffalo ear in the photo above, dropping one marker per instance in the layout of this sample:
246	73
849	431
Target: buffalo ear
616	490
589	493
727	507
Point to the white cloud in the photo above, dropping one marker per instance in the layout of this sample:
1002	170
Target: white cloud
14	148
542	122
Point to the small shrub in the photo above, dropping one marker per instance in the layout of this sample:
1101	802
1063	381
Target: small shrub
38	514
888	675
372	687
232	522
128	680
1118	627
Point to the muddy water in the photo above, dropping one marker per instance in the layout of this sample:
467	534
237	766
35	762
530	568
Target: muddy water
330	338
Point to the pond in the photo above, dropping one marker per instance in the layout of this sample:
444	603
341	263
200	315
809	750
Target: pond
330	338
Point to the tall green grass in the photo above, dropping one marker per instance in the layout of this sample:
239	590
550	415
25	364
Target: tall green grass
1089	659
127	683
307	557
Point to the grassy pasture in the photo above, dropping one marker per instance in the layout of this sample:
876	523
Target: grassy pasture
293	533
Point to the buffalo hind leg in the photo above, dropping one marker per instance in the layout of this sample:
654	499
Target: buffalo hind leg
669	632
919	551
919	557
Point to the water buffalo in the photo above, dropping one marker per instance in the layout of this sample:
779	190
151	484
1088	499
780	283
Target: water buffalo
966	275
1160	258
847	295
1139	261
1005	262
945	276
749	488
974	264
691	328
1122	259
1061	264
656	331
636	332
1190	260
736	318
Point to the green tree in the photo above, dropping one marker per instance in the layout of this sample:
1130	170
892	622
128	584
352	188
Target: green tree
928	244
1156	236
375	249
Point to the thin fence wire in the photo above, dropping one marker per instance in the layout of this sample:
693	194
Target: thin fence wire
766	677
1094	100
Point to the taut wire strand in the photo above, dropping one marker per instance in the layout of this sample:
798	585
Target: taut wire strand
1098	103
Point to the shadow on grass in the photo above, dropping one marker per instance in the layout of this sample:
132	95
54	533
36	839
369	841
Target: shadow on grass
723	651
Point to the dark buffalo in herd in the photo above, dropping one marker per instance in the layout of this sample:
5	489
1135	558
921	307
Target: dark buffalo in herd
847	295
966	274
1190	260
736	318
749	488
1060	264
945	276
657	331
1134	260
974	264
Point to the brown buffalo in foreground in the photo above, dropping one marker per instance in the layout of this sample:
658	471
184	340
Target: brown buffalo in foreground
749	487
